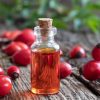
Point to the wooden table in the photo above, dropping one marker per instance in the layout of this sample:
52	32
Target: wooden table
73	87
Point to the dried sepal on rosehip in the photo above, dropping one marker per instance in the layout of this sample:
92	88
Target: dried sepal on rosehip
77	52
13	72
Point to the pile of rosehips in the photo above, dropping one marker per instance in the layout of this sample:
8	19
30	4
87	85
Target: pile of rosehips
19	51
91	70
76	52
5	81
19	48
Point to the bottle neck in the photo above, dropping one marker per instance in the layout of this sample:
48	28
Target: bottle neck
44	38
45	35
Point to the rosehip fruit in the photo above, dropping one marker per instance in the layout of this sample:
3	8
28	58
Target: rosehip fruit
22	45
23	57
96	52
77	52
6	34
1	71
11	48
13	72
5	85
14	34
65	70
11	34
27	36
91	70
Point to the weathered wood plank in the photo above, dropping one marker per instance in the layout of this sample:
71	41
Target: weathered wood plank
71	88
93	86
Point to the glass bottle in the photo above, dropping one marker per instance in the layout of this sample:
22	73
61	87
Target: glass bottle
45	62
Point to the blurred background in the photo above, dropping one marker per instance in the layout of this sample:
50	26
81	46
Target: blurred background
72	15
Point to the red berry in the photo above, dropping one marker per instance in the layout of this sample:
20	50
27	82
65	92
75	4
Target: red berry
22	45
27	36
11	34
1	71
91	70
96	52
5	85
6	34
14	34
13	72
65	69
22	57
77	52
11	48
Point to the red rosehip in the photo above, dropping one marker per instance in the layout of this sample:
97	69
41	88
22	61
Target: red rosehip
91	70
65	70
11	34
11	48
14	34
96	52
13	72
14	47
6	34
22	45
27	36
1	71
23	57
77	52
5	85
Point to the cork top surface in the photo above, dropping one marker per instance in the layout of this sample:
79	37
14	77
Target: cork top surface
45	19
45	22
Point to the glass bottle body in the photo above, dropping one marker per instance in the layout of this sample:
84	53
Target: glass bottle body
45	66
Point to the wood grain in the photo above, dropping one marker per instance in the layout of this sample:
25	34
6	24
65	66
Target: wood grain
71	88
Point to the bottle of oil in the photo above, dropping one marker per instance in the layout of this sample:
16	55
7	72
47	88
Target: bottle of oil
45	59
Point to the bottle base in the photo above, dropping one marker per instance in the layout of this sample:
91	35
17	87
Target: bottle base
42	91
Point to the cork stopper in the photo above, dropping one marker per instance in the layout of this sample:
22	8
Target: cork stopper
45	24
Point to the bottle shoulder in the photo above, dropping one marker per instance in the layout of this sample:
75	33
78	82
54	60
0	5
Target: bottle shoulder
51	44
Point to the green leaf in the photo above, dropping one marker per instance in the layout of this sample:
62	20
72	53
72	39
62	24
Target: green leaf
25	13
71	16
94	6
93	23
43	7
77	24
73	13
52	4
84	2
59	24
